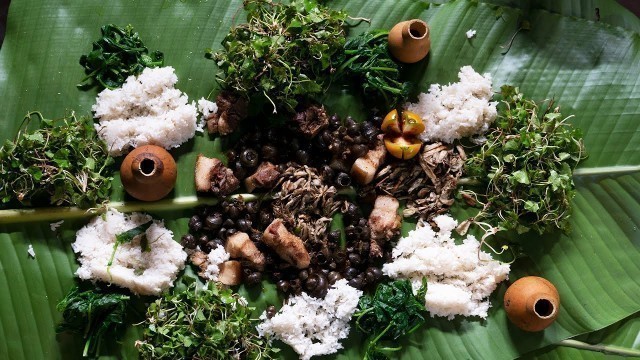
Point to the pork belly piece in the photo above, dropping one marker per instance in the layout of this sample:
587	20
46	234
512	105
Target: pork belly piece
364	168
239	245
212	176
266	176
384	222
230	273
288	246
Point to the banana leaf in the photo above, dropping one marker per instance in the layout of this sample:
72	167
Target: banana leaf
590	67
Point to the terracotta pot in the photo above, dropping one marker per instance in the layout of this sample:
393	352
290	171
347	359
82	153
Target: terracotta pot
532	303
409	41
148	173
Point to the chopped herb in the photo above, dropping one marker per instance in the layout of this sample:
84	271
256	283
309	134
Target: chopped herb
62	163
366	61
96	315
202	323
393	311
524	169
128	236
284	53
117	55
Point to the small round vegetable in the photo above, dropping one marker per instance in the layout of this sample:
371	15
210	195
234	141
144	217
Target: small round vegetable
532	303
411	123
391	123
402	148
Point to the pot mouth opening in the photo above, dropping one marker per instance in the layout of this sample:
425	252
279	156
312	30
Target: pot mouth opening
418	29
147	167
544	308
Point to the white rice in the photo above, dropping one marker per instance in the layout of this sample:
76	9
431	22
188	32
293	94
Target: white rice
471	33
456	110
143	272
314	326
146	110
31	252
458	282
216	257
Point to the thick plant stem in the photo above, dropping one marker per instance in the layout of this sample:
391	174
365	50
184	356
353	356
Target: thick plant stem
603	348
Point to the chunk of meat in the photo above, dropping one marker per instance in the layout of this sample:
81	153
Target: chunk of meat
232	109
212	176
239	245
288	246
384	222
311	120
230	273
265	176
364	168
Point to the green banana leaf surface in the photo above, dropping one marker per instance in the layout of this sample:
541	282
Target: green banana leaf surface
559	50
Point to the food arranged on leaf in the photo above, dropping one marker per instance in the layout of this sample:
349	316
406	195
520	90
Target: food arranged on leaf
308	200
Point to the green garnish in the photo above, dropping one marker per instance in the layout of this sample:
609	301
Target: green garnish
286	52
366	61
117	55
95	315
202	323
128	236
525	167
393	311
62	163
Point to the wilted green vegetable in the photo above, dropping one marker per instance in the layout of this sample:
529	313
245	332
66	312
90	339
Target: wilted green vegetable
525	167
62	163
393	311
117	55
96	315
366	62
202	323
284	53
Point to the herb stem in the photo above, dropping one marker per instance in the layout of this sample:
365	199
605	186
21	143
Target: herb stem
605	349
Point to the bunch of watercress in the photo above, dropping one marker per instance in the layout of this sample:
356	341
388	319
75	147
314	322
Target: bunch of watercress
524	169
64	162
118	54
284	53
94	314
202	323
393	311
366	62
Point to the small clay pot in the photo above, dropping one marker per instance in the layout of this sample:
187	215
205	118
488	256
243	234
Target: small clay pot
409	41
148	173
532	303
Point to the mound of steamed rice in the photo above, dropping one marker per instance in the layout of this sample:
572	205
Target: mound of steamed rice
456	110
146	110
143	272
458	281
314	326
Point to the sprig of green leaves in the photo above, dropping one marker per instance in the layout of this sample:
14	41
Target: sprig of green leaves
284	53
202	323
118	54
64	162
524	169
393	311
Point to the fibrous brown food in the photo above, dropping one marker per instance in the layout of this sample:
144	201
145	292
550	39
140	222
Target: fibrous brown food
231	110
384	222
427	183
212	176
311	120
266	176
239	245
364	168
288	246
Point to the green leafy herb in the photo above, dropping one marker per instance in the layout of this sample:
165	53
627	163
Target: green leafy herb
525	167
94	314
128	236
202	323
366	61
393	311
286	52
117	55
62	163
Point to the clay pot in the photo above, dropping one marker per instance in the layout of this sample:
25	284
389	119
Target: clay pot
409	41
148	173
532	303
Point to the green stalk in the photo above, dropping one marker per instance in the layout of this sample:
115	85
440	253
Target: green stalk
603	348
